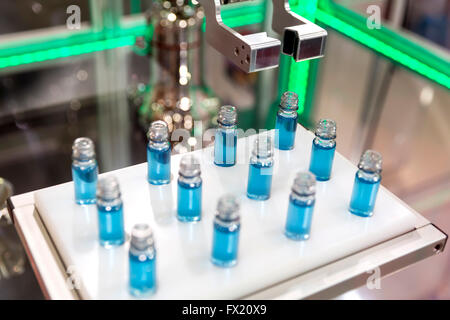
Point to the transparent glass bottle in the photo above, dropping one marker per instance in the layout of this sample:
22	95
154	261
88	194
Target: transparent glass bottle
189	190
226	137
301	207
142	261
158	153
261	169
110	212
84	170
367	183
323	149
286	123
226	232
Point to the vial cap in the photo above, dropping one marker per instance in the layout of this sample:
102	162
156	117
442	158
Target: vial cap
289	101
371	161
326	129
228	207
227	115
108	188
83	149
304	184
142	236
263	147
189	166
158	131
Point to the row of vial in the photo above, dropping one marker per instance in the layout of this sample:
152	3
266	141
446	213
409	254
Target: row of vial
106	194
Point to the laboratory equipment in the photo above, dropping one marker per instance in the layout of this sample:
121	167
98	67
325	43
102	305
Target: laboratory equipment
367	183
142	257
110	212
226	137
189	201
227	226
158	153
394	237
323	148
84	170
301	207
286	122
260	169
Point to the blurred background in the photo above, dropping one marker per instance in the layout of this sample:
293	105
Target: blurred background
129	62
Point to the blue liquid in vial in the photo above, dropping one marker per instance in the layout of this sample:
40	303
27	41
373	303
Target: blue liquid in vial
225	246
142	273
259	181
299	218
321	161
85	183
110	225
225	147
158	165
189	202
364	196
285	128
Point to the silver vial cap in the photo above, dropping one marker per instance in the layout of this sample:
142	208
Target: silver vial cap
189	166
371	161
108	188
304	184
227	115
142	236
158	131
289	101
83	149
326	129
228	208
263	147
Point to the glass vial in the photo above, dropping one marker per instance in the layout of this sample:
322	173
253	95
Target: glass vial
189	190
110	212
323	148
142	258
367	183
226	137
84	170
158	153
301	207
286	123
226	232
261	169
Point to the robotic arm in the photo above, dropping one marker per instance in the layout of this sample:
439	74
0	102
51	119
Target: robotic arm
302	39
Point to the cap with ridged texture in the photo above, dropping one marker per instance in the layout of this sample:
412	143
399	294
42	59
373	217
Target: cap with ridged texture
83	149
371	161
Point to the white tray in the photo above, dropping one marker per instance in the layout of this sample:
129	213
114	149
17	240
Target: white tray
184	271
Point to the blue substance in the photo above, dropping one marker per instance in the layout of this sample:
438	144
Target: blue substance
110	225
225	246
259	181
158	165
225	147
285	128
85	183
189	202
321	161
363	196
142	273
299	218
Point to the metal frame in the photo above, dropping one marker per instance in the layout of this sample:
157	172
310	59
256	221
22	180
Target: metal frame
325	282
